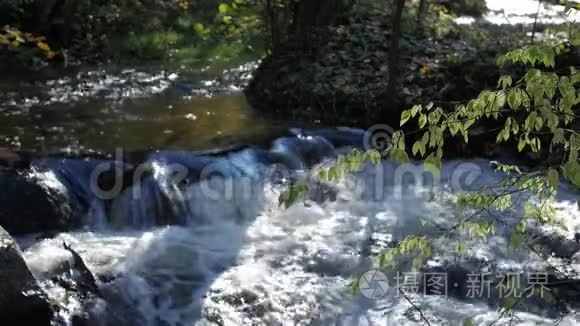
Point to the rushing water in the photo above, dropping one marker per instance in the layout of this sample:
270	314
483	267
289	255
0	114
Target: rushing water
240	259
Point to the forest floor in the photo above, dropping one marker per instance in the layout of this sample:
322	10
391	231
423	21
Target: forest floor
344	80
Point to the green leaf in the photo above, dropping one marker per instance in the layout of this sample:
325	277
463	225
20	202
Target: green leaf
372	156
550	83
332	174
416	147
422	120
502	60
432	164
548	57
515	98
528	210
558	136
521	144
224	8
521	226
454	128
199	28
516	241
574	75
539	123
553	177
405	116
505	82
460	247
399	156
508	304
416	109
323	175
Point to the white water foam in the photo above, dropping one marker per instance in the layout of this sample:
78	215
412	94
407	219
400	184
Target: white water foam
288	266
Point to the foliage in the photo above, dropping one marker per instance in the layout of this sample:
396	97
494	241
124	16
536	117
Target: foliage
467	7
537	111
345	163
344	79
25	45
93	30
539	101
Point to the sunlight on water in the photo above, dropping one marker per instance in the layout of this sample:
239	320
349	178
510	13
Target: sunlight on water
155	123
514	12
100	110
291	266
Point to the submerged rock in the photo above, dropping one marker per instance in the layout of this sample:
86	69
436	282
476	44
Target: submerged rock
21	299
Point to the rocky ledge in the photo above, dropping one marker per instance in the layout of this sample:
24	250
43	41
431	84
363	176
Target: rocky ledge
22	301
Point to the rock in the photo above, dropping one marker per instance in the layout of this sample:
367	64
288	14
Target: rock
28	207
86	279
13	159
22	301
554	244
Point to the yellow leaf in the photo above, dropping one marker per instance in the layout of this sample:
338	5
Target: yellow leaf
50	54
43	46
15	44
425	68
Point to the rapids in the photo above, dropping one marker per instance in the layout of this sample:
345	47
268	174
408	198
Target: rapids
234	257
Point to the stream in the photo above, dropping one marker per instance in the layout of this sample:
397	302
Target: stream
198	237
214	247
240	259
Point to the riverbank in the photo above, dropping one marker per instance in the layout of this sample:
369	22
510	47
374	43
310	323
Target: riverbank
344	80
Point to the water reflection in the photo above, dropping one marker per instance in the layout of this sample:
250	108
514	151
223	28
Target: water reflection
161	122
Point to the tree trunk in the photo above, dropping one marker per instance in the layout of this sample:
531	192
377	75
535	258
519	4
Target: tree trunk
532	38
421	11
393	60
310	15
272	23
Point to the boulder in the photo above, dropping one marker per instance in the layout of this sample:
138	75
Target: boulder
26	206
22	301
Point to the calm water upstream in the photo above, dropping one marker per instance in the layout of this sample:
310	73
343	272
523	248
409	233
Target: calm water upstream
101	110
